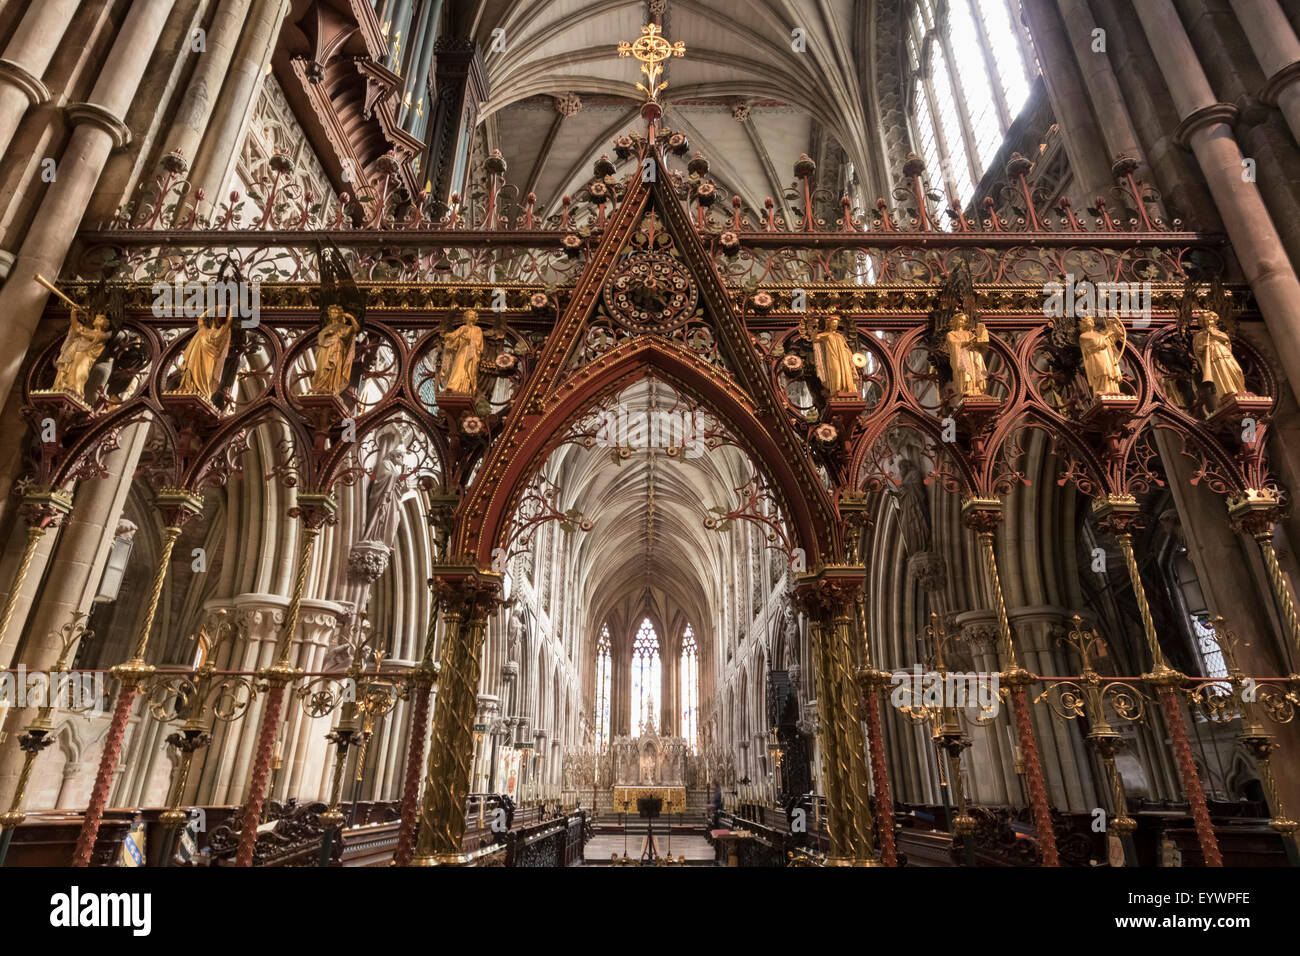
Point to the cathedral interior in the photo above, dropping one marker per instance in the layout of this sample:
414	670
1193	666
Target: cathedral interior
733	433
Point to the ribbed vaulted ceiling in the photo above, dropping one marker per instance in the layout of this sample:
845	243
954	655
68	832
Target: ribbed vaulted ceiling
742	94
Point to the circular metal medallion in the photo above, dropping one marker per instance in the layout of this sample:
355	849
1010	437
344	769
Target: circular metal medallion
652	292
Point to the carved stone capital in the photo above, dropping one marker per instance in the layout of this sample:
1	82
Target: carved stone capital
928	569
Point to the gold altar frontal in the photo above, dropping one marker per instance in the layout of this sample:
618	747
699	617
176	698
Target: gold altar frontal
674	798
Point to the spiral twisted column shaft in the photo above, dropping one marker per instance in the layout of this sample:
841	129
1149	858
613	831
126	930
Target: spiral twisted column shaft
983	517
34	534
257	782
1191	778
880	776
411	782
278	676
104	779
1276	580
131	673
838	810
850	734
442	816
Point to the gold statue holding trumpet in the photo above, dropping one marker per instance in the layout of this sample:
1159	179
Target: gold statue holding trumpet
83	344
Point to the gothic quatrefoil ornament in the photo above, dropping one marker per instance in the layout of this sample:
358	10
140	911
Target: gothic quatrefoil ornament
652	293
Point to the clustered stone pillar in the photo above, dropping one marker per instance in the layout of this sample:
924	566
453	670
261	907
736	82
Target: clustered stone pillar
470	595
1206	129
316	510
243	78
29	52
195	110
423	678
1277	49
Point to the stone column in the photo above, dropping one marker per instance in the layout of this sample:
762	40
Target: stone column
25	58
1278	51
97	128
1206	128
1079	130
1103	89
220	147
196	107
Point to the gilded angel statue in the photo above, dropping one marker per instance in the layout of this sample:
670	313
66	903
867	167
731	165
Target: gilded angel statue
461	351
335	351
961	343
205	356
83	344
1213	348
834	362
1102	349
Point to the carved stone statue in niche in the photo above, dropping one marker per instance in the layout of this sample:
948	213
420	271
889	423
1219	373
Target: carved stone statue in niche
913	508
1219	367
790	640
461	351
385	494
515	637
1101	350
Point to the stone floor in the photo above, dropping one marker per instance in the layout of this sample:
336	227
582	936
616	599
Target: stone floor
695	848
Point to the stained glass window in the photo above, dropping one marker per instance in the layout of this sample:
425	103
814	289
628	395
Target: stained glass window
645	679
971	77
690	674
602	689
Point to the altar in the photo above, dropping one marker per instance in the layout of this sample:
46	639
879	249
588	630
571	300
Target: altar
674	798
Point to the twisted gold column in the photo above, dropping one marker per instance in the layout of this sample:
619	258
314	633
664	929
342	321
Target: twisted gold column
850	734
43	509
837	824
471	596
34	535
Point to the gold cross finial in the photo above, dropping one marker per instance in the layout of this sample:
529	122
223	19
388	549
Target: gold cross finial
651	48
